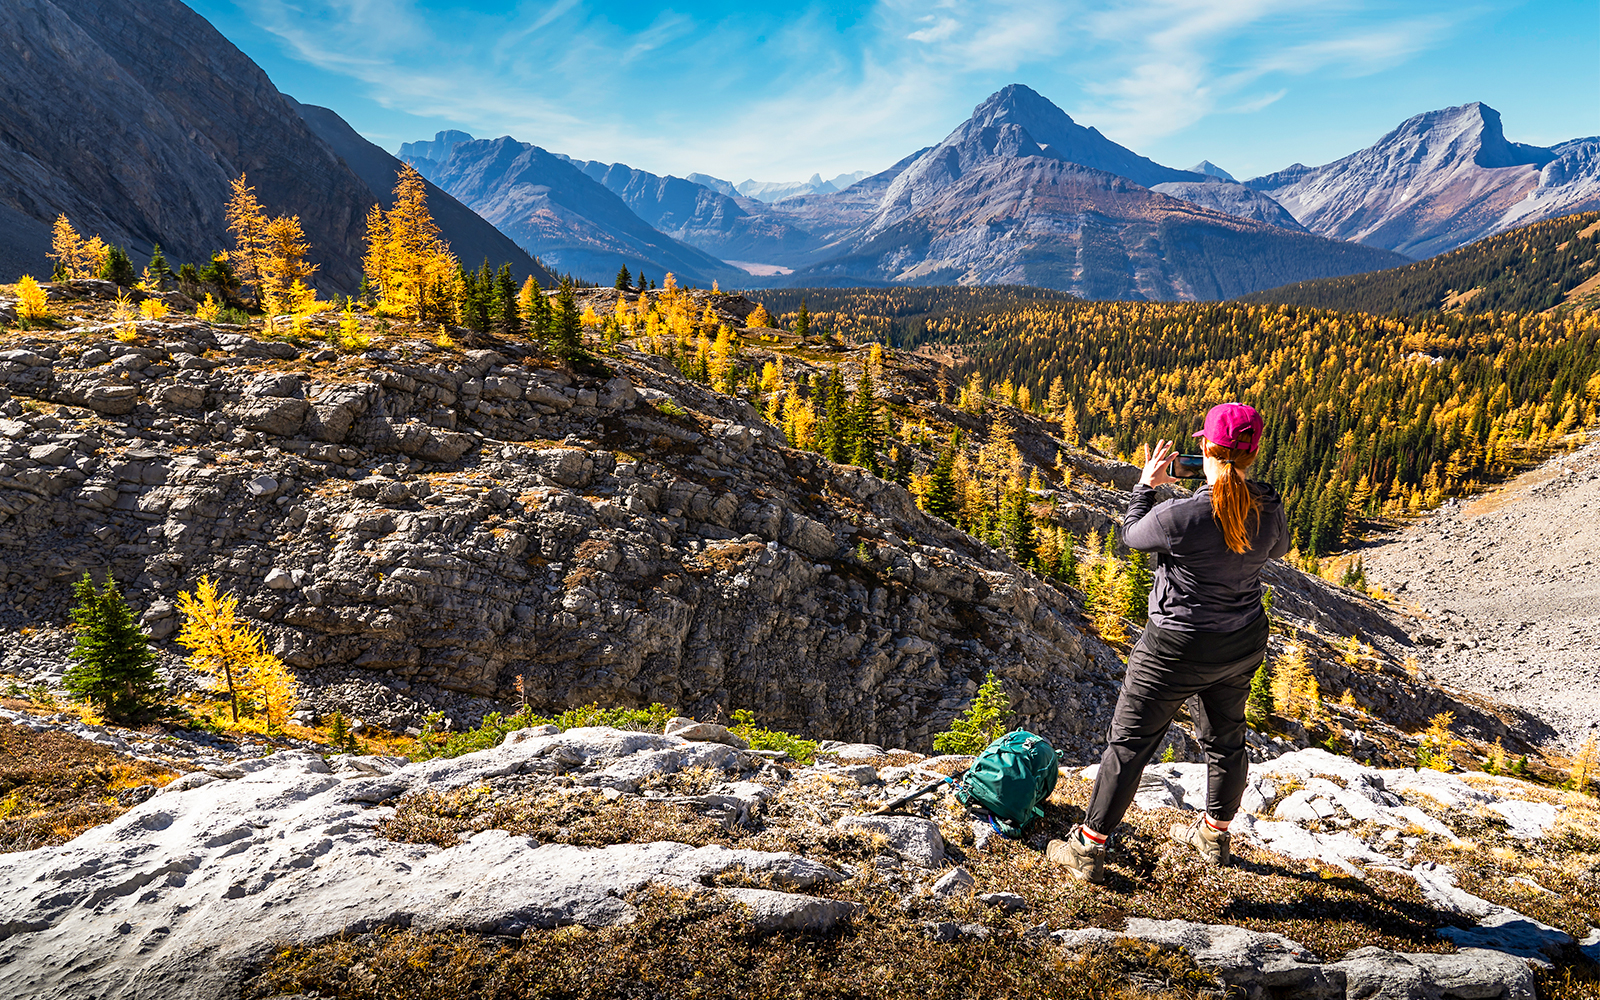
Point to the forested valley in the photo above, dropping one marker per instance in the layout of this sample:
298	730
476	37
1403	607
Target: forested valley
1367	416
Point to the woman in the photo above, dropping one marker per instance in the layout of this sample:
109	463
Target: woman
1206	637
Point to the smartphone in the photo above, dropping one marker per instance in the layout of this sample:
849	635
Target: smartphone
1187	467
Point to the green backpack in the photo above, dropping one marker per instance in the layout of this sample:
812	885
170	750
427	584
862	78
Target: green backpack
1009	779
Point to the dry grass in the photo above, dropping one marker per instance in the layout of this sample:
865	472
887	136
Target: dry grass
699	948
54	786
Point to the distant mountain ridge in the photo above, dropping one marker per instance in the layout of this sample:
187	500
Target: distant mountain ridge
1439	180
546	204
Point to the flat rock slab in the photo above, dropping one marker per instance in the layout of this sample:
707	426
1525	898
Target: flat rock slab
916	840
181	892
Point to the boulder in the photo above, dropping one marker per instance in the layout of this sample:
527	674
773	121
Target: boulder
912	838
710	732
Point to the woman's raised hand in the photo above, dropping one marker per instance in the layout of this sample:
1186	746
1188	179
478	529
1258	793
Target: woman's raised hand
1155	470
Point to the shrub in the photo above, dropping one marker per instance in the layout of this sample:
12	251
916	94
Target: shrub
986	720
495	726
115	665
153	309
209	310
32	305
801	751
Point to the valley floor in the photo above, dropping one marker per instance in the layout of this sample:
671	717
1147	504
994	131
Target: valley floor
1506	584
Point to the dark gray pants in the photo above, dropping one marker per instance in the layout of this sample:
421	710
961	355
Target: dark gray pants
1165	669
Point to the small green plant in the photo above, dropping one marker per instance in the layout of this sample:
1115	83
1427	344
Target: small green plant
495	726
42	697
671	408
1169	755
115	668
987	720
801	751
340	738
1520	766
1355	575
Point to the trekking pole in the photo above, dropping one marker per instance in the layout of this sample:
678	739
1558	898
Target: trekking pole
925	789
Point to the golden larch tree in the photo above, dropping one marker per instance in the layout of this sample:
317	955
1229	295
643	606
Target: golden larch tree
247	221
75	256
282	263
223	646
408	260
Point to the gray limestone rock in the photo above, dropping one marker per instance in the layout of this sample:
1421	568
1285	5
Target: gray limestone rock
912	838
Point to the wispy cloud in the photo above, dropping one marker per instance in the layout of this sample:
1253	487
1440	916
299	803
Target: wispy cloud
798	87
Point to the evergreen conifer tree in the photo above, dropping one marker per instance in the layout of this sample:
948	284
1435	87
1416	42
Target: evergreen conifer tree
1016	527
1067	561
863	424
624	279
1258	703
837	442
507	317
118	269
1139	583
939	499
115	664
802	321
158	267
566	324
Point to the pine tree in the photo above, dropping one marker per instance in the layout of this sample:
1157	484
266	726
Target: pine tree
1140	581
802	322
1016	527
115	665
864	426
566	325
624	279
507	315
1066	568
1258	703
117	268
158	266
939	498
837	443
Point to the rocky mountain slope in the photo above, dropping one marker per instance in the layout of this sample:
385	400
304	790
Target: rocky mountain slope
1504	589
1021	194
551	208
1041	221
1441	179
734	228
134	118
1231	199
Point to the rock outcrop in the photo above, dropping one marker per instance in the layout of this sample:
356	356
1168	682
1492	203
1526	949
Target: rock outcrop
190	890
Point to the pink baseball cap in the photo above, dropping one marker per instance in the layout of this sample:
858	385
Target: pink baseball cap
1233	425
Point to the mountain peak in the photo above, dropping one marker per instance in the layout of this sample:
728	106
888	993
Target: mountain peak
1466	131
1211	170
438	150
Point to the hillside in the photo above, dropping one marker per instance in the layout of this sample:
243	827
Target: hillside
133	119
1366	415
1535	267
1438	181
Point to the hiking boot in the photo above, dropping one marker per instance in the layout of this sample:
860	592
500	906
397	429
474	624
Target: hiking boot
1085	859
1213	845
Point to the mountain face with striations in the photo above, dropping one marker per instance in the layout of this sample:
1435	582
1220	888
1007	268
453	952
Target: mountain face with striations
1019	193
553	209
134	117
1440	180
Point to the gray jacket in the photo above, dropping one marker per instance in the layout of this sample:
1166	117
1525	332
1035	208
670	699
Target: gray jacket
1201	585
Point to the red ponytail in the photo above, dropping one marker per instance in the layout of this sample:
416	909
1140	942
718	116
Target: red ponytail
1232	503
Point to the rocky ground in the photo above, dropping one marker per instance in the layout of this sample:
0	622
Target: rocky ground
191	891
1504	590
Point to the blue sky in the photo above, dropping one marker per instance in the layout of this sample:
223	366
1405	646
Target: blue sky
780	90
